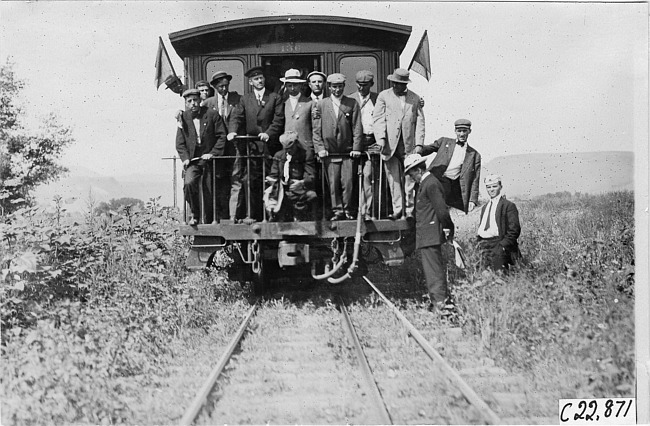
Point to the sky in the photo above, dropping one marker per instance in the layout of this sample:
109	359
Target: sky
532	77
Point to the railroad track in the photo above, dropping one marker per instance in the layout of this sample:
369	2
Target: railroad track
314	369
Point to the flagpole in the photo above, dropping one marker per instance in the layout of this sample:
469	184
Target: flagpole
417	49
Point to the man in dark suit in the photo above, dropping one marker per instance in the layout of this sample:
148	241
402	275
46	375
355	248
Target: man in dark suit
337	131
367	101
297	111
433	227
200	137
498	229
458	167
259	113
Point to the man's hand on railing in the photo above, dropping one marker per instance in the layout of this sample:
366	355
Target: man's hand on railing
231	136
355	154
206	157
323	153
186	163
263	137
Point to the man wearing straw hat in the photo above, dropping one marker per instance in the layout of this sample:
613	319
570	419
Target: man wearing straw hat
498	229
399	131
433	227
297	111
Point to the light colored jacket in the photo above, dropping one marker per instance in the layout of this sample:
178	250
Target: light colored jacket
391	122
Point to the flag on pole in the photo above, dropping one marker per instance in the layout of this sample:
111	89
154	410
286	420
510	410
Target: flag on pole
421	62
165	71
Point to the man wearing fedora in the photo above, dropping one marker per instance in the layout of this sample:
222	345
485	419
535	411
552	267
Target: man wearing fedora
433	227
337	131
224	101
259	113
200	137
399	131
498	229
316	81
297	111
458	167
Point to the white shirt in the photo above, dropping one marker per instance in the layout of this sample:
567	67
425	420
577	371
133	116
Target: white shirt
366	114
491	208
293	100
316	98
337	104
221	100
197	126
258	94
402	99
456	162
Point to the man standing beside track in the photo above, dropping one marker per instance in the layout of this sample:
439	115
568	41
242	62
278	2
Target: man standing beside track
200	137
433	227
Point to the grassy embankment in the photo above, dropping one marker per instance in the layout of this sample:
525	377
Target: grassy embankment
91	312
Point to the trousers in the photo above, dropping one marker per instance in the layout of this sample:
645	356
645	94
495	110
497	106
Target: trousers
340	177
434	268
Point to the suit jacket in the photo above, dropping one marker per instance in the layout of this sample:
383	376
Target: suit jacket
232	102
337	133
301	167
431	214
213	134
299	121
249	118
507	217
357	97
470	171
391	122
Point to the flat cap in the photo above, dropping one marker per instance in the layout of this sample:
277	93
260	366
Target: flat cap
253	72
288	138
316	73
490	179
201	83
365	76
219	75
336	78
190	92
463	123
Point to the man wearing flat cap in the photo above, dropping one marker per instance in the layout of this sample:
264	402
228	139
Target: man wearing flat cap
297	110
458	167
366	99
498	229
316	81
336	123
399	130
293	173
200	137
259	113
433	227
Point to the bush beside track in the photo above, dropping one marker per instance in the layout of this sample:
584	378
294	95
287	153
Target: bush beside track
93	313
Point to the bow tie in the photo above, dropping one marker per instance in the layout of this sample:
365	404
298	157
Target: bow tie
460	143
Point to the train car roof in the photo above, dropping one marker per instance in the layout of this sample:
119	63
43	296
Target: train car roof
297	28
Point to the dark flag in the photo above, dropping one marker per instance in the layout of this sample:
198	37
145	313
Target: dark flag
165	71
421	62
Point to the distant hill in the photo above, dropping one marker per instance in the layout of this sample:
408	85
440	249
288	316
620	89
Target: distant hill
529	175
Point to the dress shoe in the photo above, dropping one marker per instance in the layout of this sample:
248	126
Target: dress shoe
350	216
193	222
338	216
367	218
394	216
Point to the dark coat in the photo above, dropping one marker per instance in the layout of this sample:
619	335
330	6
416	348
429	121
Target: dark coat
507	217
249	118
470	171
301	167
337	134
213	134
233	101
431	214
299	121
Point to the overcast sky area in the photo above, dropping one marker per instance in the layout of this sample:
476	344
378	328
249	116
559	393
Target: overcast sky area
532	77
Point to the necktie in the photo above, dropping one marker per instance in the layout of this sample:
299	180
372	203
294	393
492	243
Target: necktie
223	106
487	222
259	99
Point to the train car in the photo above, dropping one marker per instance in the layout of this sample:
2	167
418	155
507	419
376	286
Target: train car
319	248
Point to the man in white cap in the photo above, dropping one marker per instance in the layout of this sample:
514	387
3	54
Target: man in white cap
316	80
336	123
433	227
498	229
399	131
297	110
458	167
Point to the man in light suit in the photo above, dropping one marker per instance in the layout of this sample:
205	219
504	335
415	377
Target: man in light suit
498	229
259	113
399	131
367	101
297	111
458	167
200	137
337	131
433	227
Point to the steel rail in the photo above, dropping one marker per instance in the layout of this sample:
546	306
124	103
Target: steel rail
383	416
202	394
490	416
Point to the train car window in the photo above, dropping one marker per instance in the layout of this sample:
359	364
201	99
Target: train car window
233	67
349	66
